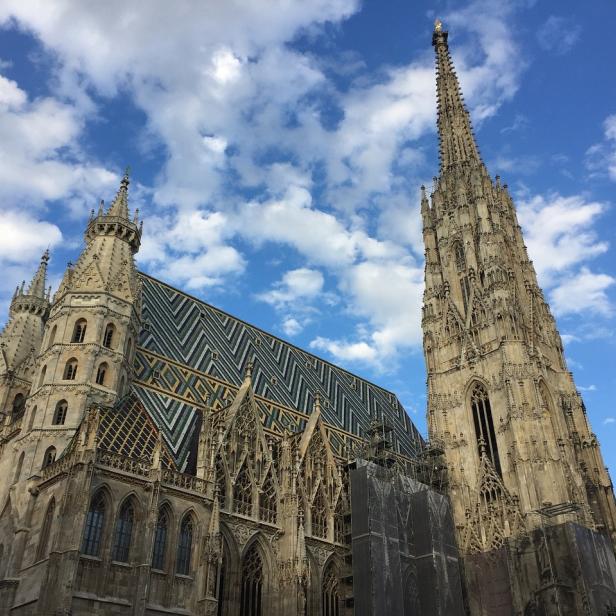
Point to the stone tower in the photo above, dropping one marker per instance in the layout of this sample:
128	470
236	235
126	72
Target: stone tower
78	351
501	402
19	345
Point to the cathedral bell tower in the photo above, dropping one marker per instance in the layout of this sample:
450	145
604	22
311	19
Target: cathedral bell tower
501	401
89	338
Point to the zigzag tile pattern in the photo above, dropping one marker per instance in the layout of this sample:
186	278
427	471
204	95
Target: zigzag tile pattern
193	355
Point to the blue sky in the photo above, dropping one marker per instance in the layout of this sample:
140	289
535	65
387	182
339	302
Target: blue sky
277	149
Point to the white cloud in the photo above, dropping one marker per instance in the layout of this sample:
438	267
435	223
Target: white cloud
25	238
609	420
298	284
561	238
346	351
291	326
559	34
601	157
588	388
584	291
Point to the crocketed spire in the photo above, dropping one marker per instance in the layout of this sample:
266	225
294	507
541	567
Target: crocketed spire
457	142
38	285
119	207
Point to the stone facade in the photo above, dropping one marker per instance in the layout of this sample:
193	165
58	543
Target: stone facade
158	456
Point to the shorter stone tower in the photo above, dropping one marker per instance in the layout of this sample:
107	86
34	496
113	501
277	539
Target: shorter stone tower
19	346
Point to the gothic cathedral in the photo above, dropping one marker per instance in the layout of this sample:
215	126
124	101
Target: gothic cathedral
159	456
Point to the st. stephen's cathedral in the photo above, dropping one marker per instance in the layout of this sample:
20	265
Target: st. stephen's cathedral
161	457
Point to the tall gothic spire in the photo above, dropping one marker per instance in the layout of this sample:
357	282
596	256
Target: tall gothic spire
37	287
457	142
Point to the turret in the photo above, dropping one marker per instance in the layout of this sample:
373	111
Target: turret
20	342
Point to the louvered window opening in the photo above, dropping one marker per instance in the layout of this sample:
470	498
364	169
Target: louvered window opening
484	425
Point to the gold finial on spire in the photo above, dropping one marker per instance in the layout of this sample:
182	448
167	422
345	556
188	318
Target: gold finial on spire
438	25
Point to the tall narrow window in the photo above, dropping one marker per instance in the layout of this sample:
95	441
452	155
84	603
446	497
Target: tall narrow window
184	546
129	348
123	533
319	515
42	377
108	337
19	404
221	482
251	603
43	546
32	418
52	335
242	492
101	373
59	415
460	259
95	520
267	500
330	595
160	540
70	370
79	331
484	424
20	464
465	287
49	457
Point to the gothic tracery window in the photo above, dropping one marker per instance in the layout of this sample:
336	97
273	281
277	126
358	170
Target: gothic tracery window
185	540
242	492
267	500
43	545
123	533
251	603
330	595
484	424
460	258
93	533
160	540
19	404
319	515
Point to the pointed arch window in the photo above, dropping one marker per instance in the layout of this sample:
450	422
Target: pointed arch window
79	331
108	336
43	546
160	540
484	425
70	370
267	500
49	457
101	373
459	256
185	540
251	602
318	517
59	415
242	492
95	520
32	418
123	532
19	404
52	335
42	377
330	593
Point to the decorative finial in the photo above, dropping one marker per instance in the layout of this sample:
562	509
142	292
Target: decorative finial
249	366
438	25
126	178
45	257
